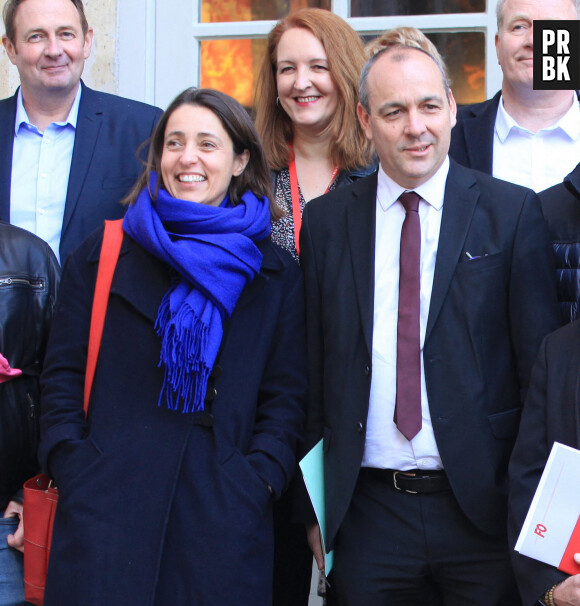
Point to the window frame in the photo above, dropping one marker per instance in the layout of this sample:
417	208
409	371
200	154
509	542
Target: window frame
152	50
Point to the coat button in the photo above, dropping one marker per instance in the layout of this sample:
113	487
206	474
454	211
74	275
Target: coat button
360	427
367	370
211	393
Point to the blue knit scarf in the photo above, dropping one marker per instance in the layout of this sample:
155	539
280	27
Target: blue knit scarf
213	249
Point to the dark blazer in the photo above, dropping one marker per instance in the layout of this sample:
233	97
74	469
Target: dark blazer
472	136
104	164
551	414
156	506
487	318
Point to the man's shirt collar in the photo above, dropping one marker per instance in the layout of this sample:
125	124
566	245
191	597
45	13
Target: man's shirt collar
22	116
432	191
569	123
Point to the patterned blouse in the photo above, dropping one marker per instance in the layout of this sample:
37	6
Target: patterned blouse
283	229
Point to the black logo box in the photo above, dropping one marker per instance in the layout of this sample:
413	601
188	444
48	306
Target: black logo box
556	55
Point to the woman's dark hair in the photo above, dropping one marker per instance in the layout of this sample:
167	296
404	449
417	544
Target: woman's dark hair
241	130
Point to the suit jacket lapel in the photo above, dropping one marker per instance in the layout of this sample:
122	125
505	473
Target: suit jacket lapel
7	135
479	130
361	226
87	132
461	197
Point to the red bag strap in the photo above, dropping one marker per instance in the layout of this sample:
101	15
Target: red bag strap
112	239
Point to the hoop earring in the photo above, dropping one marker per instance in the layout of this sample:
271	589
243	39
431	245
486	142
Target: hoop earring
278	101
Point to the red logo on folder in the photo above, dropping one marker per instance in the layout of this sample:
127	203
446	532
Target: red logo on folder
556	505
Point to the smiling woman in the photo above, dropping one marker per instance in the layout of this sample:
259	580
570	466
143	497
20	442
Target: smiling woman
201	381
198	160
306	112
206	148
306	89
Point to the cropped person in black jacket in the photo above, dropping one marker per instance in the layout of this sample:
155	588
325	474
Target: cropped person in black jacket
29	277
561	208
551	414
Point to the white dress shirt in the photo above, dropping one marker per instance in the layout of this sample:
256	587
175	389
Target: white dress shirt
536	160
40	171
385	446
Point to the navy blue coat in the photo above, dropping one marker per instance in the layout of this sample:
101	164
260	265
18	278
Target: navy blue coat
156	506
104	164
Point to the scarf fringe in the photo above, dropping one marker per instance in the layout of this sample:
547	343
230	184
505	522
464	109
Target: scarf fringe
184	349
214	251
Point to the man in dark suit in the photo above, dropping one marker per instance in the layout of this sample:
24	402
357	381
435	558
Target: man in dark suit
526	136
69	152
416	509
551	414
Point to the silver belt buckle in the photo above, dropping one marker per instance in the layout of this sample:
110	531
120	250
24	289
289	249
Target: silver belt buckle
397	487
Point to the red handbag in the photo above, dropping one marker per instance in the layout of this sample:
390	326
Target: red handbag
40	495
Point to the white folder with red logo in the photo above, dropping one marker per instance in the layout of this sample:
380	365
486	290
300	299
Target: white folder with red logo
551	531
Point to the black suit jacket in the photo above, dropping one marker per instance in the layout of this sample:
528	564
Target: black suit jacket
551	414
487	318
104	164
472	136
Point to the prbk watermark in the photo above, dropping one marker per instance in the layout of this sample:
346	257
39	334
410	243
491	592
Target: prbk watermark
556	55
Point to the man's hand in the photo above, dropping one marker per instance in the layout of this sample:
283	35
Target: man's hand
315	542
567	593
15	540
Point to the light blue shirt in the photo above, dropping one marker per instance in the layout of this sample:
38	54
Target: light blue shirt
40	171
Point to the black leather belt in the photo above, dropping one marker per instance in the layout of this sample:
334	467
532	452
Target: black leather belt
413	481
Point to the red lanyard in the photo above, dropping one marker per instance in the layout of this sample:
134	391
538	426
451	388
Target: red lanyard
296	214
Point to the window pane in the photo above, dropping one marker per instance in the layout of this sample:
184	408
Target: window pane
388	8
232	66
213	11
464	54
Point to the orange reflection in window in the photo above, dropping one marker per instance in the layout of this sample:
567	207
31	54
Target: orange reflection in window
226	10
232	65
475	76
227	66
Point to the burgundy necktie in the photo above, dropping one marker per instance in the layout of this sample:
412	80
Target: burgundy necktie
408	401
